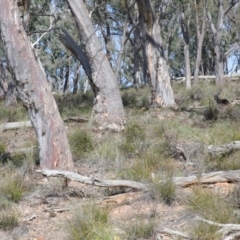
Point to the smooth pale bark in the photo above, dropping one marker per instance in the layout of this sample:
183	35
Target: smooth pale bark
200	35
34	91
162	94
185	31
217	30
108	107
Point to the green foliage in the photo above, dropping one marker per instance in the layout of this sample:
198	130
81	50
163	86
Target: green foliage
13	187
164	190
211	112
134	137
204	231
8	219
74	104
129	98
211	206
81	143
141	229
90	222
2	148
12	113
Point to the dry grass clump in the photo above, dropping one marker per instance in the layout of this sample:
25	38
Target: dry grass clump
140	229
134	139
90	222
13	187
81	143
210	206
164	190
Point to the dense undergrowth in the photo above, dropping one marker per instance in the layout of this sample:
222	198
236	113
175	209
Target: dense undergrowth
145	151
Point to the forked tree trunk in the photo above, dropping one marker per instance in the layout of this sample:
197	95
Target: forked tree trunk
162	94
108	107
34	90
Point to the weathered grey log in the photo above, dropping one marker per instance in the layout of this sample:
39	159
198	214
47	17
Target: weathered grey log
223	149
208	178
230	230
76	119
91	180
171	232
14	125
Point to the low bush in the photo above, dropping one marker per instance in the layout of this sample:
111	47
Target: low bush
81	143
90	222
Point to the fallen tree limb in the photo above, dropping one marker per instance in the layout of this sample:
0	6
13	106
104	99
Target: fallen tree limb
230	231
208	178
76	119
223	149
92	181
14	125
173	232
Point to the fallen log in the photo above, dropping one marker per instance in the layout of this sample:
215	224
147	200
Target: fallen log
229	231
76	119
208	178
223	149
93	181
14	125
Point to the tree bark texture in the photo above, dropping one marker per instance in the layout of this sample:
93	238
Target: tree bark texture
162	94
108	108
200	35
34	90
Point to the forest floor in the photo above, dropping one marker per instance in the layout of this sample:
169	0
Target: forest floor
146	151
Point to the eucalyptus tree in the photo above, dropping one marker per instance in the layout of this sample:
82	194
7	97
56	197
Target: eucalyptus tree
162	93
185	8
200	22
217	27
33	90
108	108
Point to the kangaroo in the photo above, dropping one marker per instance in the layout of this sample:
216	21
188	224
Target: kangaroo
221	101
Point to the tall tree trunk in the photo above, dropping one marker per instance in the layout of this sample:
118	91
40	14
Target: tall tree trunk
217	30
187	66
108	107
162	94
200	36
34	91
185	31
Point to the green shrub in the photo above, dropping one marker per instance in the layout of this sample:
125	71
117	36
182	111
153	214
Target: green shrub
81	143
165	191
211	206
204	231
2	148
141	229
211	112
13	187
90	222
134	137
8	219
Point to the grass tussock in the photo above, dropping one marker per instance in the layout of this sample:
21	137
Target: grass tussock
81	143
164	190
134	139
204	231
211	206
90	222
8	219
140	229
13	187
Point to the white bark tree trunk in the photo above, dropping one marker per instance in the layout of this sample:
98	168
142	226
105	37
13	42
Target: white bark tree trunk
108	108
34	90
162	94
